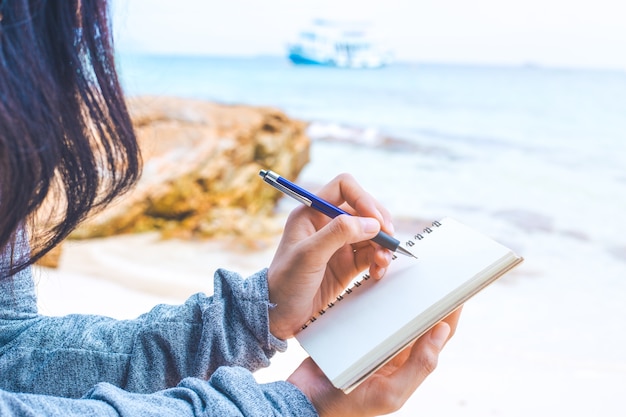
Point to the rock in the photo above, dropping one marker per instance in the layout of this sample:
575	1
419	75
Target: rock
201	165
52	258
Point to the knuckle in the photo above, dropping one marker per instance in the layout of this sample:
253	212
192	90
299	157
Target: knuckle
341	226
394	403
452	331
429	361
344	177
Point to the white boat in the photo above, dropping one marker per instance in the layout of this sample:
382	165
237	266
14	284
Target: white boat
338	44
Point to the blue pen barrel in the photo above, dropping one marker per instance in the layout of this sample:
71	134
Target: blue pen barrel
317	203
323	206
327	208
382	238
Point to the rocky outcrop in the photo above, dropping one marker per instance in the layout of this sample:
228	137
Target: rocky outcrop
201	165
52	258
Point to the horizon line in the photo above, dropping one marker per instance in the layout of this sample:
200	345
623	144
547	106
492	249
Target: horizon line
400	62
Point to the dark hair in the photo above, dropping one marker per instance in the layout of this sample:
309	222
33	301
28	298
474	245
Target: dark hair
67	144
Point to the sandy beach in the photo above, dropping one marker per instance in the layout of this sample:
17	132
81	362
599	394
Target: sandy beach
498	364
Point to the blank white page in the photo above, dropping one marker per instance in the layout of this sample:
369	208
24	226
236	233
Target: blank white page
452	261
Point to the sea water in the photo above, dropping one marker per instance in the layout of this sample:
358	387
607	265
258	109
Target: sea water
541	149
535	157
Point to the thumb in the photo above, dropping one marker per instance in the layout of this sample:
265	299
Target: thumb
422	360
343	230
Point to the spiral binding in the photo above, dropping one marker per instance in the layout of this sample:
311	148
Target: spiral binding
358	283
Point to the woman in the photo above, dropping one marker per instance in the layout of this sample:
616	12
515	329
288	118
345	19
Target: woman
67	148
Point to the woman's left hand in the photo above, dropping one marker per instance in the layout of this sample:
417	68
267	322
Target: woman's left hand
386	390
318	256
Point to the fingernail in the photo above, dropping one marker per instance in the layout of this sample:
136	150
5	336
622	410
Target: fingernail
388	256
369	225
380	273
439	335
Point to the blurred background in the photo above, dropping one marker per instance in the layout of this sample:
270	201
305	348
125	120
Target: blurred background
509	116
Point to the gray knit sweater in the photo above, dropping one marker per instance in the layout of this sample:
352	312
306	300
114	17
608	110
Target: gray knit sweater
194	359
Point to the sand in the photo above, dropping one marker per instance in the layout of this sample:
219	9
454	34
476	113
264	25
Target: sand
493	366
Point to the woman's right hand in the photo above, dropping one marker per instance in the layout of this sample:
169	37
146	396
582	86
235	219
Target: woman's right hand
318	256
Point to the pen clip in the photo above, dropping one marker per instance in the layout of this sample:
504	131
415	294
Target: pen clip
287	191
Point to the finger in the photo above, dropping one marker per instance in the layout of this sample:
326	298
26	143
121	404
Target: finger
382	260
363	255
453	320
368	255
345	189
341	231
422	361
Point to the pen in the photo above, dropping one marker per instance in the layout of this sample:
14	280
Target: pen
323	206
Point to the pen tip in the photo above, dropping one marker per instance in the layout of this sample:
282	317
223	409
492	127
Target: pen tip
405	252
263	173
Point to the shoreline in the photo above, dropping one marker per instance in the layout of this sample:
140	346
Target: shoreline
499	362
506	375
523	346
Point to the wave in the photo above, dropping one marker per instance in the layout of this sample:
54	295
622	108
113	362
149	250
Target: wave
422	140
366	137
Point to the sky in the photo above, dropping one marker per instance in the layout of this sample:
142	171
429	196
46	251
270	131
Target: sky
556	33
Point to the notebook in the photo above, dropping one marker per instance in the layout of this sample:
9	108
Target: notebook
372	321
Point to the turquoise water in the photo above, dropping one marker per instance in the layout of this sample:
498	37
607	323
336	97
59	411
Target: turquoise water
575	114
547	142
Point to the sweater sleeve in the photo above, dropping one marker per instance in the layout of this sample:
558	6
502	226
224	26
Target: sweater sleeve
231	391
65	356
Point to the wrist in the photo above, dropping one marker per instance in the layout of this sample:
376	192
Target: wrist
327	400
276	329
